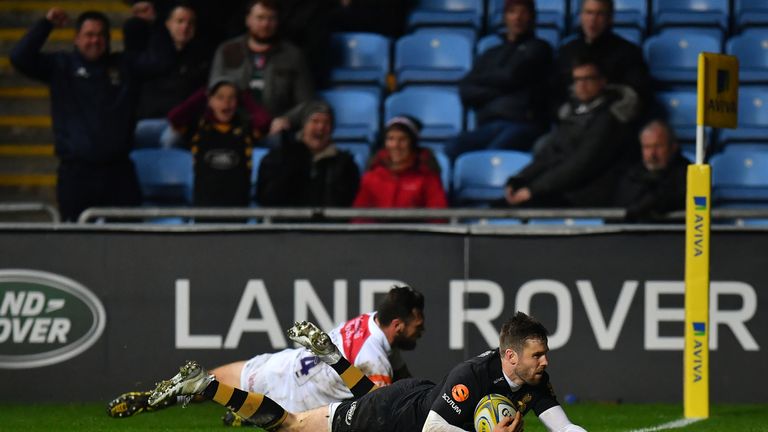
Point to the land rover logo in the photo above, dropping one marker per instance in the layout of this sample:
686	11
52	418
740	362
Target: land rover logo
45	319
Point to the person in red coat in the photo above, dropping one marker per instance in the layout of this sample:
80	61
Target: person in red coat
402	174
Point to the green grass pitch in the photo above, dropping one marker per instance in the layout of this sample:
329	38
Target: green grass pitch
206	417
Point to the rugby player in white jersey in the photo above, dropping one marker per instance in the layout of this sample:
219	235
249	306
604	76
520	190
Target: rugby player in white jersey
297	380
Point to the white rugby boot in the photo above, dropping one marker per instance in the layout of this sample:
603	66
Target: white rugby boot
312	338
191	380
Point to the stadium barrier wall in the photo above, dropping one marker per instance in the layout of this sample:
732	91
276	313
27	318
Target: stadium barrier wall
86	314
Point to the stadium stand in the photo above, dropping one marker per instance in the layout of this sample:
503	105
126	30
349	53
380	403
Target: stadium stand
709	13
753	117
360	58
673	54
479	177
740	176
356	114
467	13
438	109
680	107
166	176
749	13
751	47
428	58
549	13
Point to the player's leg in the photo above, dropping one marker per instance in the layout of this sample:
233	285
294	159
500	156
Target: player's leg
193	380
311	337
229	374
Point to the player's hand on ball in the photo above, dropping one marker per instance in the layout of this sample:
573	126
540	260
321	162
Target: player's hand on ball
510	424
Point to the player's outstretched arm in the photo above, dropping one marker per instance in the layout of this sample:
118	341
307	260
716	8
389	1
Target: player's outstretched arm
556	420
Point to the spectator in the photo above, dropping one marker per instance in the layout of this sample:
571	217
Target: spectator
655	186
274	70
221	141
622	60
188	74
402	175
580	160
505	87
93	101
387	17
307	170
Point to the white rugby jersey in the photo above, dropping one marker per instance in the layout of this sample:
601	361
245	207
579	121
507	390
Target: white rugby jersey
297	380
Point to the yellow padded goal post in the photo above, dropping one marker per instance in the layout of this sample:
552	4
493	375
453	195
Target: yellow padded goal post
717	106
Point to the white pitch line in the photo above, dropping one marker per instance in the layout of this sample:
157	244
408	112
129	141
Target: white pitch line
671	425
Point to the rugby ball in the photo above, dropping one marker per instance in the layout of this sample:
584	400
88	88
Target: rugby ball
490	410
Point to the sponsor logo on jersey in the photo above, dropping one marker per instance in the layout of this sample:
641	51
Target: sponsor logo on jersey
486	354
460	392
498	380
353	335
522	404
451	403
45	319
350	413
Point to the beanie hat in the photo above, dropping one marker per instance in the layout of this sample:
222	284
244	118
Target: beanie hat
314	107
407	124
219	81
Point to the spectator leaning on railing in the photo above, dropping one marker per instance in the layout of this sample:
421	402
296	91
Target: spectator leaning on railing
93	100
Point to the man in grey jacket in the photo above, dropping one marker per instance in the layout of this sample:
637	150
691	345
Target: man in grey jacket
274	70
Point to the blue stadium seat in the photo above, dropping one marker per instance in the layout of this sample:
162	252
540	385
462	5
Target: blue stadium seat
631	34
360	58
549	13
750	13
356	114
680	106
751	47
439	110
465	32
431	58
753	117
673	54
256	156
445	168
712	13
467	13
361	151
480	176
627	13
549	34
487	42
740	175
166	176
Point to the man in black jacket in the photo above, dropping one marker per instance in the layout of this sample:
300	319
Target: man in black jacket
308	170
93	100
578	163
657	184
622	60
507	87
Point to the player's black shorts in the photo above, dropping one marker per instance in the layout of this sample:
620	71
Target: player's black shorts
388	409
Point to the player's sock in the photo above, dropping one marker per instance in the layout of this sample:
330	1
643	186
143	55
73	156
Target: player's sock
255	407
355	380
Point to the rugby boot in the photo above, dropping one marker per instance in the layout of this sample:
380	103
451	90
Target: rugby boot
312	338
191	380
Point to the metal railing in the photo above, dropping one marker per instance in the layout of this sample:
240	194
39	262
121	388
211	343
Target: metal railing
451	216
21	208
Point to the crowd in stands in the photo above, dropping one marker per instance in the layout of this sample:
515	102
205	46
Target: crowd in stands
223	81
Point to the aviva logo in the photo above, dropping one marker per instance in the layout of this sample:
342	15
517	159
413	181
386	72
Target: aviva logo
45	319
700	202
699	329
